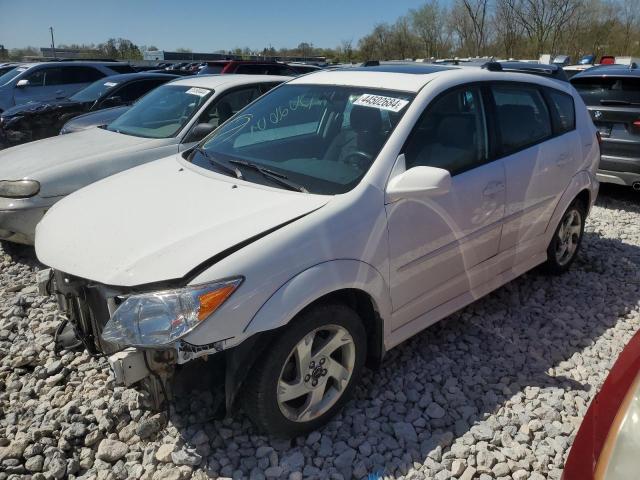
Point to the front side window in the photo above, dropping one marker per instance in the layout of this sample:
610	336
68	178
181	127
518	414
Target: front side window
227	105
299	132
523	117
451	134
36	79
162	113
134	90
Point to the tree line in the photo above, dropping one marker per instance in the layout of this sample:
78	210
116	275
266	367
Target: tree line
521	29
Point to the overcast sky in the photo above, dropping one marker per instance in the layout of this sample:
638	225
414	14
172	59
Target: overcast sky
196	24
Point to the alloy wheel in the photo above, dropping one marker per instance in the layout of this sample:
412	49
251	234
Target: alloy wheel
568	236
316	373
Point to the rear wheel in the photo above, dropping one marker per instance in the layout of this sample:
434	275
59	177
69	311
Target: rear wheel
308	373
566	241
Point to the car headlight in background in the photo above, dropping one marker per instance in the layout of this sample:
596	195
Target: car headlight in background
158	318
19	188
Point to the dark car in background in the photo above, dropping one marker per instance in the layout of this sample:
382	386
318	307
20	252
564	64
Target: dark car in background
47	81
612	95
99	118
248	67
36	120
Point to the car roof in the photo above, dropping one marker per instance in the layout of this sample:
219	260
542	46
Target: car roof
125	77
371	77
68	63
411	68
609	70
216	81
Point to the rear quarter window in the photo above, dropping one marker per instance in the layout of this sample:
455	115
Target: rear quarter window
563	110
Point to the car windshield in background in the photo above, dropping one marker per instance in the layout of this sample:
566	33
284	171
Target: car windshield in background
93	91
319	138
162	113
11	74
608	90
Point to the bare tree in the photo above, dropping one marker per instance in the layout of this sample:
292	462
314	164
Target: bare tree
629	17
542	19
428	24
476	11
508	30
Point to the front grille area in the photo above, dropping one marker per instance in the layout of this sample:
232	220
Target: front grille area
86	305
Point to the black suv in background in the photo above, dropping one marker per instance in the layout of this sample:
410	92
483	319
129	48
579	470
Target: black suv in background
612	95
37	120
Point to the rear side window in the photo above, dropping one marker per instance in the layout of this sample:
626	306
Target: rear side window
608	90
451	134
563	110
523	117
81	75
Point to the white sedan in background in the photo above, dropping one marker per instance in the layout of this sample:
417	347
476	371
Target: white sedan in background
168	120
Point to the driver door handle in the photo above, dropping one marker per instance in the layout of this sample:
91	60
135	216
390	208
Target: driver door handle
493	188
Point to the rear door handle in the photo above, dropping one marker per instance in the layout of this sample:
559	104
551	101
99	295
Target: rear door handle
493	188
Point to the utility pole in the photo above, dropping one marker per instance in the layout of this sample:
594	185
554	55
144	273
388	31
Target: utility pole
53	44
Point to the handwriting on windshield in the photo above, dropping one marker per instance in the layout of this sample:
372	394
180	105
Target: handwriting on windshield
278	114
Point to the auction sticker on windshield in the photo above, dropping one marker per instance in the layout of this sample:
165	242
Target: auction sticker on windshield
379	101
201	92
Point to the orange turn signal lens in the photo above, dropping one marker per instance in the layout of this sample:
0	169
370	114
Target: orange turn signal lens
210	301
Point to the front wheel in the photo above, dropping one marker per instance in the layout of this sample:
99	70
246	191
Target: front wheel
566	241
308	373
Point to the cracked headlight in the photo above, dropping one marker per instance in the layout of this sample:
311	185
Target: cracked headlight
158	318
19	188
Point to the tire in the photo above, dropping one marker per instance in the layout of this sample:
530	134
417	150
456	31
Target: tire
560	254
264	397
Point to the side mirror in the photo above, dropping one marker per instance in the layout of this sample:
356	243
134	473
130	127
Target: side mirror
419	182
22	83
200	131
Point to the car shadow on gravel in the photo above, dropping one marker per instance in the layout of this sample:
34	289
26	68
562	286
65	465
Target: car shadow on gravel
508	375
612	196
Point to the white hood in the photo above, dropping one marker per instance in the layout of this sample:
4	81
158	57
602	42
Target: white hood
57	161
159	221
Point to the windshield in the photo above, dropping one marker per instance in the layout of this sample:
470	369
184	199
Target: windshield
596	90
11	74
162	113
322	138
93	91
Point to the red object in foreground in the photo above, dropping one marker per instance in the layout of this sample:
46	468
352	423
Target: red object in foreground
591	440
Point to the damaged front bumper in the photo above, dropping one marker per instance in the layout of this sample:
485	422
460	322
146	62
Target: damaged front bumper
89	306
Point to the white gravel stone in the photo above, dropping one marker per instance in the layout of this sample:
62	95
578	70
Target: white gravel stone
497	390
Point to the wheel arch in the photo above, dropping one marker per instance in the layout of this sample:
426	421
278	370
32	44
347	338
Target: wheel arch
351	282
583	186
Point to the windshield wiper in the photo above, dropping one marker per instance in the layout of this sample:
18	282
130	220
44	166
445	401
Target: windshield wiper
222	165
271	175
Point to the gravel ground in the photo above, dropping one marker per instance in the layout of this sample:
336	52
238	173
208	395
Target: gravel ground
496	391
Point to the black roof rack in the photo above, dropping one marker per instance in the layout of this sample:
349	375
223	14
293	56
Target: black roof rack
553	71
83	60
